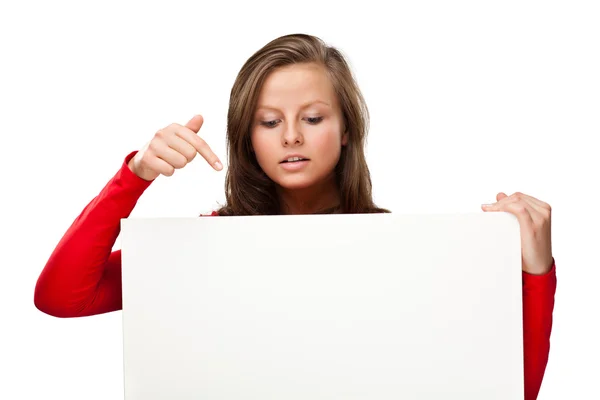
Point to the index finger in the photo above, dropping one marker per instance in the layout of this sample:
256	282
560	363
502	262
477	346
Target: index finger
201	146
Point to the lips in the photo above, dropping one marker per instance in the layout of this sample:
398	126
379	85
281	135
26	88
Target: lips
294	166
293	158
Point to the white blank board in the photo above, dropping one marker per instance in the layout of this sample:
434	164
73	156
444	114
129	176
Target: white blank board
352	307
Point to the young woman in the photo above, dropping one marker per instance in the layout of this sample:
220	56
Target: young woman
296	131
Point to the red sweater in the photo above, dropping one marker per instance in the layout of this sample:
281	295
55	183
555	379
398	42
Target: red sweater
83	277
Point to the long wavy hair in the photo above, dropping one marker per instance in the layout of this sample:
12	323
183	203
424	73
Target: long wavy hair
248	190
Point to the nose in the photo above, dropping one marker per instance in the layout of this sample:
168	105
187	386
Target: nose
291	135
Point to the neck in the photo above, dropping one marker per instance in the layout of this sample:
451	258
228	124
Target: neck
309	200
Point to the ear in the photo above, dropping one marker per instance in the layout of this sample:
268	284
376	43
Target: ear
345	138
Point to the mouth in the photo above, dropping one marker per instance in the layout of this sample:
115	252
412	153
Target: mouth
292	160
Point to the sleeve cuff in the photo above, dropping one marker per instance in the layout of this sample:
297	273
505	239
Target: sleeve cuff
544	280
128	176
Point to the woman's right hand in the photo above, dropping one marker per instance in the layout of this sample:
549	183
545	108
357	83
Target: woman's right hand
171	148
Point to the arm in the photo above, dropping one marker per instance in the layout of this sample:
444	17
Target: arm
82	277
538	305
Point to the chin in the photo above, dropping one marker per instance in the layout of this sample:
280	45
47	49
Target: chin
295	182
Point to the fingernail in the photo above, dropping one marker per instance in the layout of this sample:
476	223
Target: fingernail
219	165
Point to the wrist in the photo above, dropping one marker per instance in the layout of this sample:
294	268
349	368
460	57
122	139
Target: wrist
540	271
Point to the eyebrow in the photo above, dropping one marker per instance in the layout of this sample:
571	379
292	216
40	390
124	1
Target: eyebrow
310	103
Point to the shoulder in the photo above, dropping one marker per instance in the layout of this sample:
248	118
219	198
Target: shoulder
212	214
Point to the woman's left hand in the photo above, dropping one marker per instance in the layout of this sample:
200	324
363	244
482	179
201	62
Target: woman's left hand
534	218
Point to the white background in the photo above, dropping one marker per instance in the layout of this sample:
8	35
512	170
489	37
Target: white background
467	99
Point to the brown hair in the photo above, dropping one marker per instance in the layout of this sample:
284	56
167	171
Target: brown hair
248	190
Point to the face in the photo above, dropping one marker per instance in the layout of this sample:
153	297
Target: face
298	116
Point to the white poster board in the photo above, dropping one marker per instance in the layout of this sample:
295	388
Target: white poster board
352	307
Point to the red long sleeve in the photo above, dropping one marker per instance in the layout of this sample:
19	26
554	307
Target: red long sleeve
538	305
83	277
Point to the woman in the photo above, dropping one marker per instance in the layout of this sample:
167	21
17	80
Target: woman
296	130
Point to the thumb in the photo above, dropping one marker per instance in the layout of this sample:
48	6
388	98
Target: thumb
195	123
500	196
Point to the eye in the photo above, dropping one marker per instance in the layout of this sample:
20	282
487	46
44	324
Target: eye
314	120
269	124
